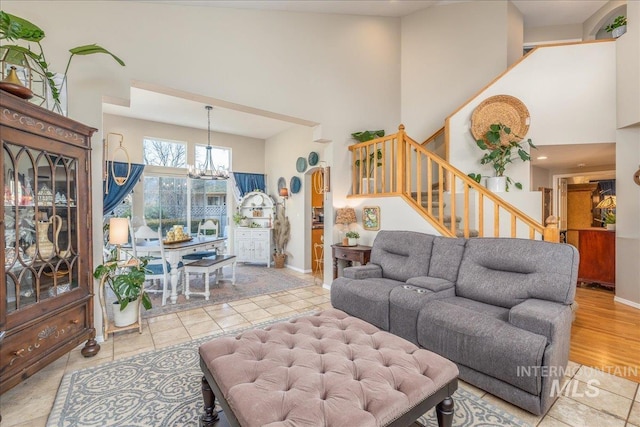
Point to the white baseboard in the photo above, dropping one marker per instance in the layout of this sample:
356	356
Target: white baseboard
326	285
299	270
627	302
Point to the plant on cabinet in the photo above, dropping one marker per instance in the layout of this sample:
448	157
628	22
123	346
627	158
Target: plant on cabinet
352	237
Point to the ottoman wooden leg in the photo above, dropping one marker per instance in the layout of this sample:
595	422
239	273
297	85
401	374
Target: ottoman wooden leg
210	416
444	412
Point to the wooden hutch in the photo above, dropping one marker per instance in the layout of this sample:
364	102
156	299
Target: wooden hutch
46	297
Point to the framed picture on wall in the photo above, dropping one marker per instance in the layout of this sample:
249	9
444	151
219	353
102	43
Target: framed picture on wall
371	217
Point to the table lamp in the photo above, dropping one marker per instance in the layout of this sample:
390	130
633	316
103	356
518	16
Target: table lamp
345	216
118	233
608	204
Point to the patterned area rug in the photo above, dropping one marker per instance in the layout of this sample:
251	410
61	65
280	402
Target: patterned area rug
251	280
161	388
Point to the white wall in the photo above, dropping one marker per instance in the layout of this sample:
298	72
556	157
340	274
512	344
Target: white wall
628	160
282	152
550	82
515	33
540	178
342	71
449	52
247	153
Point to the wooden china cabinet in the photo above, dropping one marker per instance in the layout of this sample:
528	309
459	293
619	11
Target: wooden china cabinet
46	292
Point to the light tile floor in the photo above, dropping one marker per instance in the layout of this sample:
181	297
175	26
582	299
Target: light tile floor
590	399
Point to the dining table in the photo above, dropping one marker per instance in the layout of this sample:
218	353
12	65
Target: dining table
174	251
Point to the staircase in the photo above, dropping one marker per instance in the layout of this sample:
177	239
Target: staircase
438	191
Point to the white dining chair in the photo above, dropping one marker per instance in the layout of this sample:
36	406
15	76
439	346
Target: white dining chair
146	242
208	228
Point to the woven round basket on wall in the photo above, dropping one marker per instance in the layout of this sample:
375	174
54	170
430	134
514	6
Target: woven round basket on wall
505	109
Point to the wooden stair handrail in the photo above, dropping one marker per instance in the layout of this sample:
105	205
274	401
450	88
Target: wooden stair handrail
398	178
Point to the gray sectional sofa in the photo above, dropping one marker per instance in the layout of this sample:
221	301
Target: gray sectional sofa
499	308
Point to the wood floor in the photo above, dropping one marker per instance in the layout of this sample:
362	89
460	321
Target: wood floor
606	334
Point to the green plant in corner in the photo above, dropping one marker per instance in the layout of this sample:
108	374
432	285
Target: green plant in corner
372	161
126	282
618	22
14	28
503	148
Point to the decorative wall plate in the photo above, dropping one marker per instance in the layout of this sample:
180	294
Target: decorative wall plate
295	184
313	158
505	109
301	164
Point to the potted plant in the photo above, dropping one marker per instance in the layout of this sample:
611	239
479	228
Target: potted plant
13	28
127	283
352	237
366	165
618	27
610	221
503	147
281	236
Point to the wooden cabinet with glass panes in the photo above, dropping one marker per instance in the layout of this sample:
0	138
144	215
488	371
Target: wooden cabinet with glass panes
46	295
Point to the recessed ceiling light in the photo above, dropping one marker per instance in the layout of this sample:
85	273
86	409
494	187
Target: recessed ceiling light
581	165
541	158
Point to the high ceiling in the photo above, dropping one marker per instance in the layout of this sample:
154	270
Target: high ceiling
537	13
188	109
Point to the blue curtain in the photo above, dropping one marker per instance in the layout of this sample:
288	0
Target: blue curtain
247	182
117	193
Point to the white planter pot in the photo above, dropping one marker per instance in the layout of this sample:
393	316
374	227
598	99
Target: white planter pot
611	227
128	316
352	241
617	32
497	184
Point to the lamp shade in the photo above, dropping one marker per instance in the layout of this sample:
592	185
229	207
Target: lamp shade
608	202
118	231
284	192
345	216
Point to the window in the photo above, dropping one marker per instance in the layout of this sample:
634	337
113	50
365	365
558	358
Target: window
208	201
158	152
171	198
221	156
165	201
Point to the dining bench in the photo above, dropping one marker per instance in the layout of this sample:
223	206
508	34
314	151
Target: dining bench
207	266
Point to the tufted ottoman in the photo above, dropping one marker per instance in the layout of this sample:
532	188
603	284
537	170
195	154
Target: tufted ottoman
327	369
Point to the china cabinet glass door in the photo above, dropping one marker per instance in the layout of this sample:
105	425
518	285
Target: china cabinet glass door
41	225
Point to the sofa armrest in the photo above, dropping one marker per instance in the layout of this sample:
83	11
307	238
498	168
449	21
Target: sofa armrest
367	271
434	284
547	318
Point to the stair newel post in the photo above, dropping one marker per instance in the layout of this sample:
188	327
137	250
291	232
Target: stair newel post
400	158
551	232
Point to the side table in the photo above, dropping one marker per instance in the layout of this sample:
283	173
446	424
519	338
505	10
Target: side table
358	253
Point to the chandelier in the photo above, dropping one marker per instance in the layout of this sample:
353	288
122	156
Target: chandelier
208	170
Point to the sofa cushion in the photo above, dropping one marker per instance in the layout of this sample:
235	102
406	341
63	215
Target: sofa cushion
494	311
367	299
446	256
506	272
402	254
405	303
483	343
